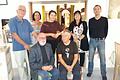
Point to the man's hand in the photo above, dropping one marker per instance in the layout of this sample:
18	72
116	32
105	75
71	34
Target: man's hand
52	35
69	68
45	68
50	68
75	37
27	47
19	40
58	34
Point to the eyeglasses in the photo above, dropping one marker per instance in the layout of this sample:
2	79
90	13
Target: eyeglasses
22	10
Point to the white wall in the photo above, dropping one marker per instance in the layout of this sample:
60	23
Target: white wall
8	11
91	3
113	36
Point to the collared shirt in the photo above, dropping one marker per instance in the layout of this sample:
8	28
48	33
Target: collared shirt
23	29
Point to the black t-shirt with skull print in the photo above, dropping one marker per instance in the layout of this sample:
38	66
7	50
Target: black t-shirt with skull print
67	51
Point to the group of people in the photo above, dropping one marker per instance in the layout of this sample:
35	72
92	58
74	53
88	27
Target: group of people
50	38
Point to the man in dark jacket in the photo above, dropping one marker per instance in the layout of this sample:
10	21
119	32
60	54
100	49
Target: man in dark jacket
42	60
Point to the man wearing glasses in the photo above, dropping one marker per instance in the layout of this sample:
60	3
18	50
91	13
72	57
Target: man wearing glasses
20	29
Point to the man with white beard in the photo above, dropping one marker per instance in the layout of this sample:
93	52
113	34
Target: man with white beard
42	60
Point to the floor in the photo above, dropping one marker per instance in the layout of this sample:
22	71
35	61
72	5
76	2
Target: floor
95	76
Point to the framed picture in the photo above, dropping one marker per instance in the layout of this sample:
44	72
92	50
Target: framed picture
3	2
6	31
114	9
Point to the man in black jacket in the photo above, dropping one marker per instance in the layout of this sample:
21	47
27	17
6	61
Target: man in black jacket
98	29
42	60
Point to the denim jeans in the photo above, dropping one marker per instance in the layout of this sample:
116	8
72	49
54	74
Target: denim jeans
49	75
100	45
63	72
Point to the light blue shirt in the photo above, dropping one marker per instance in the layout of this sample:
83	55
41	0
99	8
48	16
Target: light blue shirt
23	29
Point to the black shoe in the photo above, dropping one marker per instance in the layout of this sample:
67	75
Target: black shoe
104	77
89	74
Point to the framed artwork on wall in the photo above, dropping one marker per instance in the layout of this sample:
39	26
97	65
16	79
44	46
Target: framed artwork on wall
114	9
7	37
65	12
3	2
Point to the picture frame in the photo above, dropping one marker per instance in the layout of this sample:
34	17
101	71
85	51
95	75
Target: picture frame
3	2
114	9
6	31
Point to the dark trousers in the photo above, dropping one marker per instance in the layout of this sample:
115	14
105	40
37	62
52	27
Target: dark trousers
63	72
82	59
45	74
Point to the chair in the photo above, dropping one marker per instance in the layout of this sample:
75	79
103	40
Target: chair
117	62
35	76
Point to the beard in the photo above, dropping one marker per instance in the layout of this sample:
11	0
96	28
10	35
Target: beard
42	43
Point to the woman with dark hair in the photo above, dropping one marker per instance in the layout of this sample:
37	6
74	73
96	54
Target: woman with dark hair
79	30
53	28
36	23
36	17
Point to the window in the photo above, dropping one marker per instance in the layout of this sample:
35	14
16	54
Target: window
3	2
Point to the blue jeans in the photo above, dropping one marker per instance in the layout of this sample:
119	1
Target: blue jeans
49	75
100	45
63	72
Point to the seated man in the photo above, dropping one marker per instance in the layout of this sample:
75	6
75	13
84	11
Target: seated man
68	57
42	60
